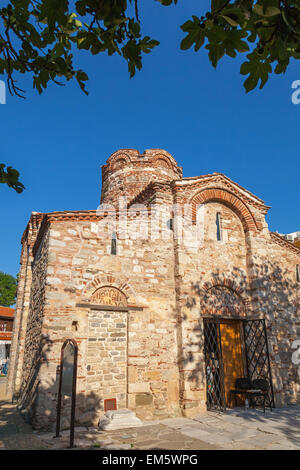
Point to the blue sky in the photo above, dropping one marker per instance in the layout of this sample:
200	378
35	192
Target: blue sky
178	102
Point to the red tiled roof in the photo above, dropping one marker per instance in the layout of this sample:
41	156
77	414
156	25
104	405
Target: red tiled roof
7	312
5	335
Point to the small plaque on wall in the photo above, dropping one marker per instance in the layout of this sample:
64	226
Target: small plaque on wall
110	404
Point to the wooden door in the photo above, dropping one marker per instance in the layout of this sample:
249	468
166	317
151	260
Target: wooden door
232	356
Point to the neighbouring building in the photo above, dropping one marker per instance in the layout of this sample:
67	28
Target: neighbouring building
172	289
293	237
6	327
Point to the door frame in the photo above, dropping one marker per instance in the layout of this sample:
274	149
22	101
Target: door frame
249	327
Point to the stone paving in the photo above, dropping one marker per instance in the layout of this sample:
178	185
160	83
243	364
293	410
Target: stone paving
239	429
151	436
235	429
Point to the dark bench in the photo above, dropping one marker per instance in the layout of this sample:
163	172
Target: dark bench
251	389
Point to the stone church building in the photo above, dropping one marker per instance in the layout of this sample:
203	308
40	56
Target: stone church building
167	310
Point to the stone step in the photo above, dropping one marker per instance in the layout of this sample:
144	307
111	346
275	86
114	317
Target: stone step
119	419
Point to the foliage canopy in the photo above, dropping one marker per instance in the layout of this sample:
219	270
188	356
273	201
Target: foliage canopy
8	289
38	37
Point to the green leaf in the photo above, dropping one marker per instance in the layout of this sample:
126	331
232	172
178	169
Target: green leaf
281	67
216	52
217	5
229	20
234	42
147	44
196	34
216	34
82	76
10	176
258	69
269	11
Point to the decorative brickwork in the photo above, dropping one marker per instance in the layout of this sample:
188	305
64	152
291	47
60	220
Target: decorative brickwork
109	296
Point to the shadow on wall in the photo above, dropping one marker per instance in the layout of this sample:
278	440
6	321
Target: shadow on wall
38	402
41	410
28	393
271	294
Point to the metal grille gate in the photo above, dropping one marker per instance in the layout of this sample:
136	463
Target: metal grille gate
214	369
257	356
257	360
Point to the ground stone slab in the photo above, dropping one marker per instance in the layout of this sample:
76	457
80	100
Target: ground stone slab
118	420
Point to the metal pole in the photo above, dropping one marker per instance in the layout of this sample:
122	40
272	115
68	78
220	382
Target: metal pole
269	364
73	402
59	392
73	406
221	366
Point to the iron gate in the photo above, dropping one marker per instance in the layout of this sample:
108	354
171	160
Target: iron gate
214	370
256	357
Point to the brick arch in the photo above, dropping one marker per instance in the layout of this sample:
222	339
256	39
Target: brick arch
161	154
229	284
119	163
118	160
124	154
214	295
230	200
109	280
162	161
223	299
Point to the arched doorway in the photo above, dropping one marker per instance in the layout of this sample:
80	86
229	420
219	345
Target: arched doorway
107	347
223	309
235	346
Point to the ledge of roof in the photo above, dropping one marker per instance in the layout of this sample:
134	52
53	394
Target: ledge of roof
187	180
284	242
7	312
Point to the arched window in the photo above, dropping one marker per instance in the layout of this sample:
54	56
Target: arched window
298	272
113	249
170	224
219	226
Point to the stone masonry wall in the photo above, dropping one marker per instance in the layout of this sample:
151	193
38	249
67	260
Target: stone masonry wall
22	306
77	258
36	344
106	361
277	297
